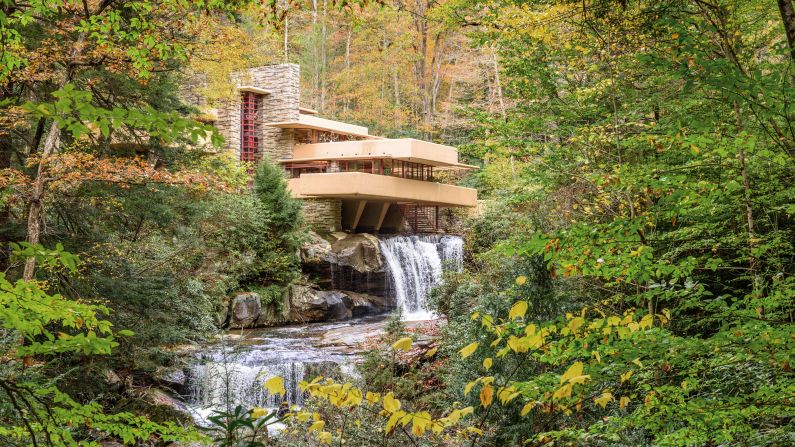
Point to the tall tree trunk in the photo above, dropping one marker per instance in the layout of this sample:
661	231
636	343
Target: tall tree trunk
286	26
498	85
323	56
35	206
749	211
315	59
420	65
787	10
346	101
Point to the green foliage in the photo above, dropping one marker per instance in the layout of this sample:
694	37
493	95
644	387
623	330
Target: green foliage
36	412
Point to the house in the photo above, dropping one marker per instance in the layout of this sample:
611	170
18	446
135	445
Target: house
348	179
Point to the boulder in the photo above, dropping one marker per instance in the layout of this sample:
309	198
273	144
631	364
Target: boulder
315	251
361	252
304	304
363	304
245	308
308	304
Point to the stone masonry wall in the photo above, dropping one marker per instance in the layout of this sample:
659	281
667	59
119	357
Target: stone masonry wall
282	81
323	215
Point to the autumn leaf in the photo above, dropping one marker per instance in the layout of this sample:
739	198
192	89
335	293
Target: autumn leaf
390	403
275	385
604	399
486	395
468	350
404	344
487	362
518	310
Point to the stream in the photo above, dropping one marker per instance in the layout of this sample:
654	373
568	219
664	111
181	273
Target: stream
232	372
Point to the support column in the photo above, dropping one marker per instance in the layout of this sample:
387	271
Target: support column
359	210
384	209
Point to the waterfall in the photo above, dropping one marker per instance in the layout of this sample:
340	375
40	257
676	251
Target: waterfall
415	265
226	376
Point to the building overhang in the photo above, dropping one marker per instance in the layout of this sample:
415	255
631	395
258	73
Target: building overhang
311	122
405	149
381	188
252	89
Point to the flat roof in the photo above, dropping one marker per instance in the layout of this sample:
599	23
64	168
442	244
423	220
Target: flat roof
316	123
376	157
307	111
252	89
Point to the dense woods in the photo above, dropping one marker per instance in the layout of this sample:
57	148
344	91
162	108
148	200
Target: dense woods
628	278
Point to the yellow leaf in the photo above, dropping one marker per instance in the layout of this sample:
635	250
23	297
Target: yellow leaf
475	316
431	352
486	395
404	344
393	420
317	426
647	321
468	387
527	407
579	379
390	403
626	376
275	385
468	350
597	356
372	397
521	280
575	324
487	362
604	399
638	362
518	310
258	412
623	402
420	422
475	430
324	437
516	344
574	370
562	392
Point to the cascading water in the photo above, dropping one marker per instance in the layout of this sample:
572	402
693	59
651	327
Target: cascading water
415	265
225	377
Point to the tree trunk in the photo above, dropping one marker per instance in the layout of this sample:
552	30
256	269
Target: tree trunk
498	86
35	207
787	11
323	56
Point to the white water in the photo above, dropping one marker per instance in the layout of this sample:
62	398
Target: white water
227	376
415	266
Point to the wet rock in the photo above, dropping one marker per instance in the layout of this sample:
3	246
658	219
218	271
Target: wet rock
363	304
245	309
360	251
173	378
308	304
304	304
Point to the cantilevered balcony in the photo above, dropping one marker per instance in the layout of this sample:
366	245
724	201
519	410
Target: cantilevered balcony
405	149
382	188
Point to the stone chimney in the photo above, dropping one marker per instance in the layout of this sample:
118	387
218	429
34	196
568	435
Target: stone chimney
278	91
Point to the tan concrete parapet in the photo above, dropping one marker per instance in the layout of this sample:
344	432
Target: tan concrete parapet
307	121
362	186
407	149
